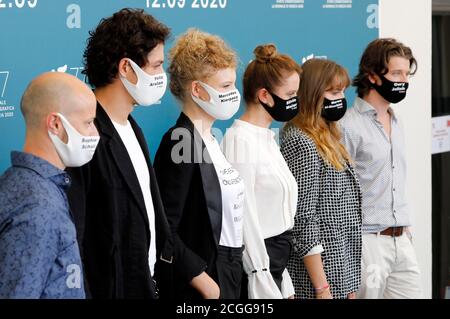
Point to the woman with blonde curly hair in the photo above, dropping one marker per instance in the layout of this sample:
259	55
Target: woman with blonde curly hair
326	261
201	192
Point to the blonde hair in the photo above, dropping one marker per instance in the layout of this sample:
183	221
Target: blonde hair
197	55
318	77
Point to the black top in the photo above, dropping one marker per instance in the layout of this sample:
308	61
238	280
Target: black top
192	198
111	220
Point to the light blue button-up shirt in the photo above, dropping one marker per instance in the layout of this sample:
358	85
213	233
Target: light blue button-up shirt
380	164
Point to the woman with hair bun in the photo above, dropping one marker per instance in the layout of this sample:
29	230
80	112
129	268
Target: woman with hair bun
271	82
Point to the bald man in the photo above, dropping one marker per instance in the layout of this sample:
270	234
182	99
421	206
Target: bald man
39	254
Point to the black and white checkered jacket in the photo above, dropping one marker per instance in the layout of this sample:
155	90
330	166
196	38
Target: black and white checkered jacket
328	214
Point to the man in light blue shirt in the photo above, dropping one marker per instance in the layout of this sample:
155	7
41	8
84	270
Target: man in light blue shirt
39	254
373	136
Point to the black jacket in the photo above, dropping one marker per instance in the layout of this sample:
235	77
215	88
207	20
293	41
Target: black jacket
192	199
112	224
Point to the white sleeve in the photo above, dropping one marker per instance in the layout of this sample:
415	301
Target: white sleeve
315	250
287	288
255	258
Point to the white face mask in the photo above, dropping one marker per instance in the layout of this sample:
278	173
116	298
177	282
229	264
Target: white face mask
79	149
221	106
149	89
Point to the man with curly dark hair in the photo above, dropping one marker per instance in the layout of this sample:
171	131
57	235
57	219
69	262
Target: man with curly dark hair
122	229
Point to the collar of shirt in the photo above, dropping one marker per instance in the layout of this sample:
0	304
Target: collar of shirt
265	132
364	107
42	167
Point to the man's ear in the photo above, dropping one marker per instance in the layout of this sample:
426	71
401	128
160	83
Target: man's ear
54	124
127	71
373	78
123	67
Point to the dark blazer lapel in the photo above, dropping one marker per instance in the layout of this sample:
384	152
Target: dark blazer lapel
213	197
210	181
123	162
164	241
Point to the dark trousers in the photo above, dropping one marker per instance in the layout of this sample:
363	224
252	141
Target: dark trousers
279	250
226	270
229	269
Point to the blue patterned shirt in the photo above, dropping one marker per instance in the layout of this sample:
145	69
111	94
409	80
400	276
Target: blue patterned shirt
39	254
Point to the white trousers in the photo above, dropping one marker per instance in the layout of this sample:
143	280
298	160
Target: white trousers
389	268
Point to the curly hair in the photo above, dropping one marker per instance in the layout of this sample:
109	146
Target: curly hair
375	60
128	33
197	55
267	70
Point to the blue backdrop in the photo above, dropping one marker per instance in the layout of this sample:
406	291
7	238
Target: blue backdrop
43	35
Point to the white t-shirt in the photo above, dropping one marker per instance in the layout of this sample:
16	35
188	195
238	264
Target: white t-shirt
232	188
134	150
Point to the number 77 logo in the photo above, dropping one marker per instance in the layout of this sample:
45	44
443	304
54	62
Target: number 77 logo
3	88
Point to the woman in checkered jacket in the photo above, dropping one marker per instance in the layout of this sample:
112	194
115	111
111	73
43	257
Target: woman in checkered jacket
326	260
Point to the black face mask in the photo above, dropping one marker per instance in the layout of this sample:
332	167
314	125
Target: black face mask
283	110
334	110
393	92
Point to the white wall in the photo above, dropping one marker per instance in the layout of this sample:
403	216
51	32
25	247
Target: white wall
410	22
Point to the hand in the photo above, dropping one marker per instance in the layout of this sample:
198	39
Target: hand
324	294
351	295
206	286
